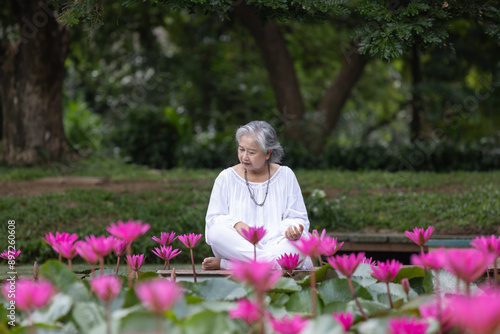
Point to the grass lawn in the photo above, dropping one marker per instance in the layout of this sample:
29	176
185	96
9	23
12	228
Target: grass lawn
176	200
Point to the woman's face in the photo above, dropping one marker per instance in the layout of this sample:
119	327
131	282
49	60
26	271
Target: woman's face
250	153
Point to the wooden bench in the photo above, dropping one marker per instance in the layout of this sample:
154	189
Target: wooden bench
203	275
438	243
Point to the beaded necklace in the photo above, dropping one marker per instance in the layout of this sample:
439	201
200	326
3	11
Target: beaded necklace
267	188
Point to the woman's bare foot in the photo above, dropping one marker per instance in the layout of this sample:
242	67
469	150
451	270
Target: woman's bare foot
211	263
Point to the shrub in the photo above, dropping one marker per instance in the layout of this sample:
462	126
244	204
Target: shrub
148	137
329	214
421	156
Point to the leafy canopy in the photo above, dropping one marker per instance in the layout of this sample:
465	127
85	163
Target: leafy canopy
394	26
387	30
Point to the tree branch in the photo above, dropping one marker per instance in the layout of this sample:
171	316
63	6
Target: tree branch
279	65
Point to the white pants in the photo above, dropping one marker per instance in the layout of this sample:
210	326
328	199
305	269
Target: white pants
227	244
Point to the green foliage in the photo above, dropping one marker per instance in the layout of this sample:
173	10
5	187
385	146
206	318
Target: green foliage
88	212
205	306
207	71
90	11
217	289
430	154
66	281
93	165
410	273
290	10
323	212
218	152
394	27
148	137
84	129
177	201
337	290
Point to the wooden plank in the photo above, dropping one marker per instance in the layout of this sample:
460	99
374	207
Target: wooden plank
349	246
209	273
448	243
187	272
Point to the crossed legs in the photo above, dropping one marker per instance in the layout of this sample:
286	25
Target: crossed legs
227	244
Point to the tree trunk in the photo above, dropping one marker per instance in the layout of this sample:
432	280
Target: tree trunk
336	96
280	67
416	101
32	73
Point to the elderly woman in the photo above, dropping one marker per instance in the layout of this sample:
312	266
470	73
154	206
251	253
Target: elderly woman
256	192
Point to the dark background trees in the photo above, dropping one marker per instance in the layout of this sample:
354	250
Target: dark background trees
428	77
33	50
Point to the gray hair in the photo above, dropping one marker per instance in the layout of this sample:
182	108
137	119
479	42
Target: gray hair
266	138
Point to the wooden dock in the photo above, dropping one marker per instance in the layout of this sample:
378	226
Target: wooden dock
203	275
396	242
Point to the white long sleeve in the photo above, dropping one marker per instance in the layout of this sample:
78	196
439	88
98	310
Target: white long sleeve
230	203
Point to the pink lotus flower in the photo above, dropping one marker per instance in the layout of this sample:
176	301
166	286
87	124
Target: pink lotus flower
345	319
101	245
166	254
467	264
433	260
190	240
254	234
326	242
10	255
405	284
419	236
165	238
289	325
346	264
431	310
29	295
158	295
329	246
55	239
386	271
407	325
260	275
320	236
135	262
120	247
487	244
289	262
309	246
67	249
106	287
86	251
128	231
245	310
368	260
477	314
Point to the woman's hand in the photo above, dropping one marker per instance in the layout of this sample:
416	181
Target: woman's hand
294	233
239	226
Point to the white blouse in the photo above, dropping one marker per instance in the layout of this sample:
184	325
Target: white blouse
230	203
